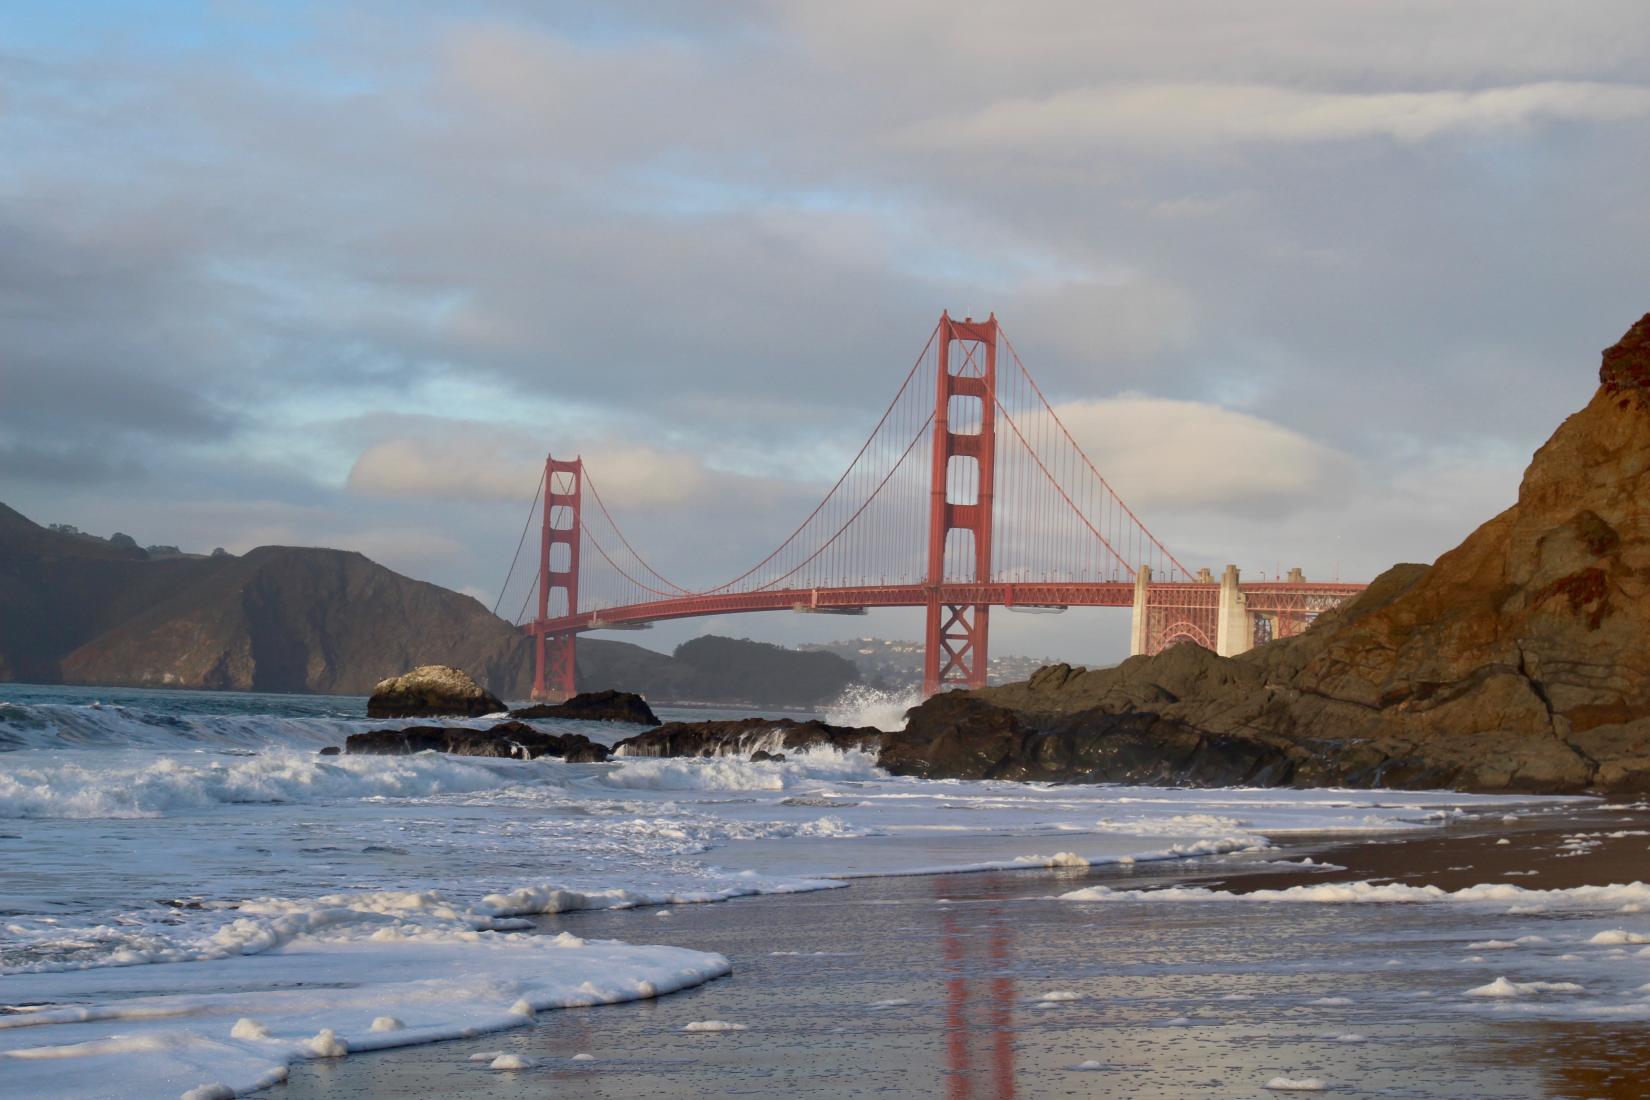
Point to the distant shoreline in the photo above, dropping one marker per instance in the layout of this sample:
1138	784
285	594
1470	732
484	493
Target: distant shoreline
682	704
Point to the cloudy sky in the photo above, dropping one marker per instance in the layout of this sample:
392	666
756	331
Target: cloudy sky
1309	280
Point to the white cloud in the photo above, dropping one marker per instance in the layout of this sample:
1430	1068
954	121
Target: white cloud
1125	319
420	468
1191	116
473	463
1176	454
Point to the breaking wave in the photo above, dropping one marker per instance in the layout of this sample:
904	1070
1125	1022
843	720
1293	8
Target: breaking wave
99	725
805	768
865	706
127	785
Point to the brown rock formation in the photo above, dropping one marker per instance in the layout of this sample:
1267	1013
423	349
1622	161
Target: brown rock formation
431	690
1626	366
1519	661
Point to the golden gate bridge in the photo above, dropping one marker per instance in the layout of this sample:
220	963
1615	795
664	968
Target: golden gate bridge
969	493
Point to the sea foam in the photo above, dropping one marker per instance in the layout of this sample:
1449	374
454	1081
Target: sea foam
803	768
130	784
867	706
229	1028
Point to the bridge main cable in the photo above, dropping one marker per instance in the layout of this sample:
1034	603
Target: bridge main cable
875	431
1121	503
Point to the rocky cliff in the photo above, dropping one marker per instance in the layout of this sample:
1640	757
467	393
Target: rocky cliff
83	610
297	619
1519	661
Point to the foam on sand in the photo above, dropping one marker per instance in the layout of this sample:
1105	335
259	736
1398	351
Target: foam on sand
1210	846
1618	936
1058	859
537	900
165	1031
1630	896
1501	987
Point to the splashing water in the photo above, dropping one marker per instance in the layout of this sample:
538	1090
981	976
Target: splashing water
867	706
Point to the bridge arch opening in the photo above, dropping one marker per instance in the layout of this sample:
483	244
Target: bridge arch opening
1183	631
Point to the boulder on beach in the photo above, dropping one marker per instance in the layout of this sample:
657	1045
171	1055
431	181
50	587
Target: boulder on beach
956	735
507	740
596	706
429	691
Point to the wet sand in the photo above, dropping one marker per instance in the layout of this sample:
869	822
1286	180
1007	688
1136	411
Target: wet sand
937	986
1539	854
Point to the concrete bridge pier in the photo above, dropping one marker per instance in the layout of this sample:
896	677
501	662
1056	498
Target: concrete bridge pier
1234	626
1139	622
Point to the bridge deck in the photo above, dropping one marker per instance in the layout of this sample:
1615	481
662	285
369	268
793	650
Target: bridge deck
1262	596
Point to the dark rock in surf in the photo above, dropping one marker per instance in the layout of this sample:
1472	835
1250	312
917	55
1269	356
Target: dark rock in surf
507	740
596	706
956	736
746	735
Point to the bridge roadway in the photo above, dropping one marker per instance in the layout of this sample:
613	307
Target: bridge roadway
1287	605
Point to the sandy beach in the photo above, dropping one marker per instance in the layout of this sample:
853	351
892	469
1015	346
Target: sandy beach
992	985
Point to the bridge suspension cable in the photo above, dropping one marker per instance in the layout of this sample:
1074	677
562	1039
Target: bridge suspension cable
1054	517
895	423
671	587
1044	535
514	558
971	491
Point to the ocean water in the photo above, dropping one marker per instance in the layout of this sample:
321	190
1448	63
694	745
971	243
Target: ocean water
191	898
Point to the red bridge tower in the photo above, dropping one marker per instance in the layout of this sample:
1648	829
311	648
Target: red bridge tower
955	652
554	664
